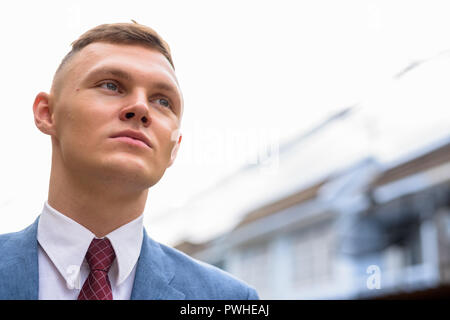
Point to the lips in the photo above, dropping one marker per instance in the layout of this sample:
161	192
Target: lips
135	135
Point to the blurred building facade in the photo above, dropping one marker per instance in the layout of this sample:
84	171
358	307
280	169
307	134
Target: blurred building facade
364	231
356	207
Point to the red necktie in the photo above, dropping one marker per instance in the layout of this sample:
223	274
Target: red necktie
99	256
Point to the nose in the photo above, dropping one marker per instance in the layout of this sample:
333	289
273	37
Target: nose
136	111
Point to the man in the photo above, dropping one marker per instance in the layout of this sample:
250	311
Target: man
113	115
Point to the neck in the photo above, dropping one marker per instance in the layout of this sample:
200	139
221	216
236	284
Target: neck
99	205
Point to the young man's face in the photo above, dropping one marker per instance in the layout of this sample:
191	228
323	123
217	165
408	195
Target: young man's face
107	90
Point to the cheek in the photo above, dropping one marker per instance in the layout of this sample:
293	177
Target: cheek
78	126
167	136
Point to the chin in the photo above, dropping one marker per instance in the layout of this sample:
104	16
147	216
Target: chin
123	167
130	170
130	178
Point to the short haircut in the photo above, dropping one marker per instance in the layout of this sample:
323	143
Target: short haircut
121	33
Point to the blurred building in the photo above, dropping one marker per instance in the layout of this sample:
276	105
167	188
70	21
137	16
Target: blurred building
356	207
342	233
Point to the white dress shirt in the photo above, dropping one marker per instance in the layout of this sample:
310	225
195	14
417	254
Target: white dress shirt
63	244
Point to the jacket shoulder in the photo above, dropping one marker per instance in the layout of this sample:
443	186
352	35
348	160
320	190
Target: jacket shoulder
19	264
12	239
200	280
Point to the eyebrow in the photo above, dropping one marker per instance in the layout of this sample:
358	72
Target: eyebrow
114	72
127	76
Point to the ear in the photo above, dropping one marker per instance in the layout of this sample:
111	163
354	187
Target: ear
175	151
43	117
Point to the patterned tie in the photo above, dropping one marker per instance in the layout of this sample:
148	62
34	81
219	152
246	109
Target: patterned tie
99	256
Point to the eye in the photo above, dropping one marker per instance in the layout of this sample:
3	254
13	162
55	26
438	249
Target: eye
163	102
110	86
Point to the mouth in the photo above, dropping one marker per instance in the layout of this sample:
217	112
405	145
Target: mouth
132	137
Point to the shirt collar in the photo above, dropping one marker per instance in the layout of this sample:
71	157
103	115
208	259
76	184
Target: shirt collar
66	242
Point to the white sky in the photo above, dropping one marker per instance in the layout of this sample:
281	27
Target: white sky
244	67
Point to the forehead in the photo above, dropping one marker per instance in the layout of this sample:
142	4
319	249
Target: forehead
139	60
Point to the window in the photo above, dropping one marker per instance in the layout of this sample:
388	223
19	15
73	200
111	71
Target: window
255	265
312	255
405	245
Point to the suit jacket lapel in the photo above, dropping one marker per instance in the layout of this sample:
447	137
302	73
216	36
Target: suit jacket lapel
153	274
19	266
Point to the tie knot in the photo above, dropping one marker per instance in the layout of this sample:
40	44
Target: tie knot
100	255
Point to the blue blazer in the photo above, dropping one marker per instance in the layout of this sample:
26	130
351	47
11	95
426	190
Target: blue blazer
162	273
